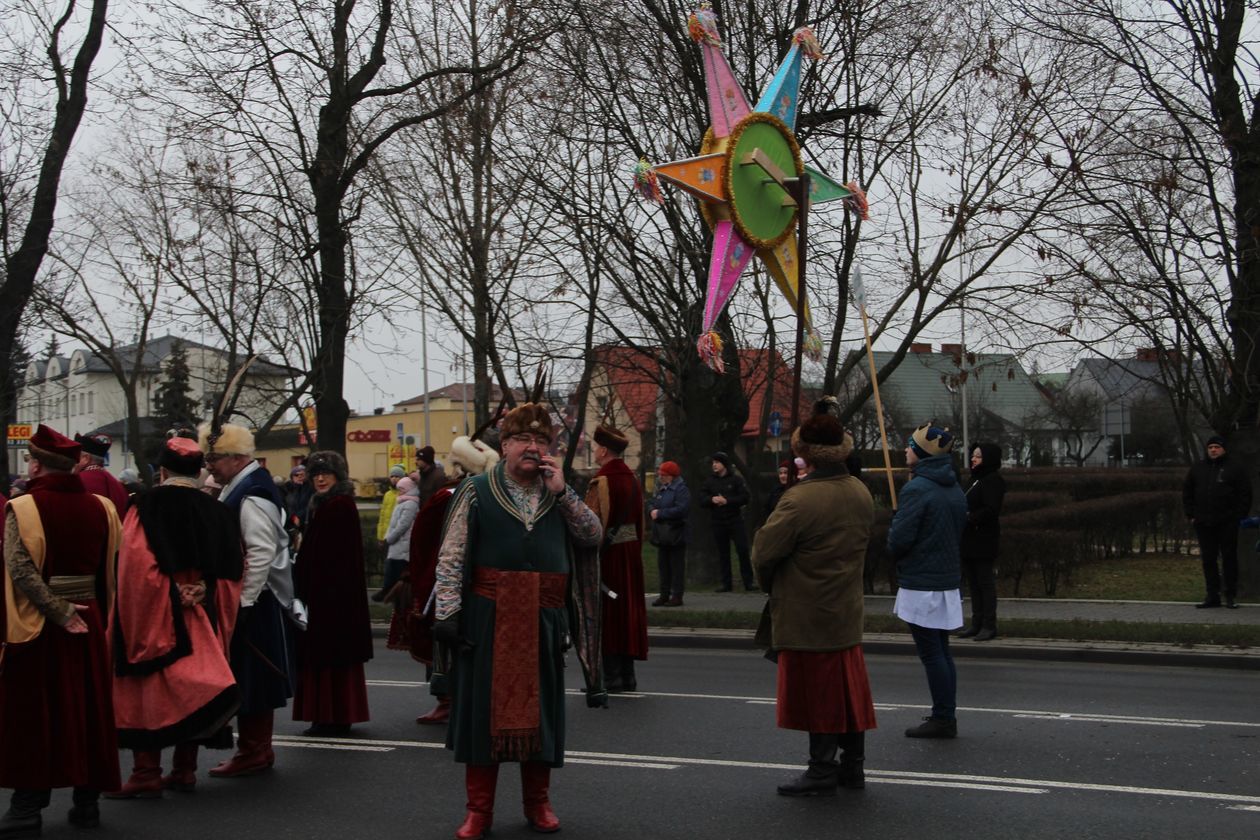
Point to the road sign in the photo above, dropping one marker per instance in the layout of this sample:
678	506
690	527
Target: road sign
19	433
775	426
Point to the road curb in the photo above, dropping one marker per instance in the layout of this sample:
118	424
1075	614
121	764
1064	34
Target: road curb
1042	650
1046	650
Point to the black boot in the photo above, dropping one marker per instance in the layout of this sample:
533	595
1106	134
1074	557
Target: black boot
86	811
972	630
612	675
628	681
23	818
934	728
822	777
852	776
989	631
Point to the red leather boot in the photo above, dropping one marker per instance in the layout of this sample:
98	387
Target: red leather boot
253	747
535	782
480	781
146	777
440	713
183	777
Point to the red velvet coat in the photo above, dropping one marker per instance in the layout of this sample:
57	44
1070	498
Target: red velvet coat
329	577
426	539
56	709
619	502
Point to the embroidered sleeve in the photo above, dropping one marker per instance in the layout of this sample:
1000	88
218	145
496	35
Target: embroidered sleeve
26	577
453	555
583	523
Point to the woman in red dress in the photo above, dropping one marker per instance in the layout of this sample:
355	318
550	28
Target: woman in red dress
329	578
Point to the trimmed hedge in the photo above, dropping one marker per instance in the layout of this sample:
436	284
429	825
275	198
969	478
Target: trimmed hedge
1055	520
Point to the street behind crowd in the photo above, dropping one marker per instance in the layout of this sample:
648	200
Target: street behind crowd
1044	750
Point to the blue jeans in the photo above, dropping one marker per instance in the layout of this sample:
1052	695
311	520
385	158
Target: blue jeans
933	647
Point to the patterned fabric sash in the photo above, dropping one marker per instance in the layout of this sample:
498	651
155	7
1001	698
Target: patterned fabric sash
73	587
515	719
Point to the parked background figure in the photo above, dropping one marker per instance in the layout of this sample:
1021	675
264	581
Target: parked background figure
56	701
980	540
669	508
1216	495
329	578
615	496
179	589
785	478
923	538
91	469
809	557
396	474
398	538
724	494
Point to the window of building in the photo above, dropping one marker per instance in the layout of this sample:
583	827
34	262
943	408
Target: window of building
90	394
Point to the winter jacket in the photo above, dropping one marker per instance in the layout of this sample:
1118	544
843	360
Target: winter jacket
387	510
398	534
984	505
926	530
1216	492
809	557
733	488
673	500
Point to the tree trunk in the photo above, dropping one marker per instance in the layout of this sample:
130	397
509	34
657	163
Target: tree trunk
22	266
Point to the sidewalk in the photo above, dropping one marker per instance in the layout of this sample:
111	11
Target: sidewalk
1120	653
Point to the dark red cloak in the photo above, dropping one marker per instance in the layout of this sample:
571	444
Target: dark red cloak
621	566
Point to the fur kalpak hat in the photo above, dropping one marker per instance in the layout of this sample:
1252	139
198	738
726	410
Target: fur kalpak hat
327	461
231	440
472	456
930	439
97	444
821	439
53	449
181	456
527	418
611	438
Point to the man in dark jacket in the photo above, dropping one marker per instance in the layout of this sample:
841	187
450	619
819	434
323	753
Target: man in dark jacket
980	540
1216	494
725	494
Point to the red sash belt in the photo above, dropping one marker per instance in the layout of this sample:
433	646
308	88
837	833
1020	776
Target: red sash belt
515	732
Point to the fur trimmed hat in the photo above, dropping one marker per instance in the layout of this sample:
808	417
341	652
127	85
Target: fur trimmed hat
181	456
930	439
527	418
472	456
53	449
95	444
611	438
327	461
821	439
231	440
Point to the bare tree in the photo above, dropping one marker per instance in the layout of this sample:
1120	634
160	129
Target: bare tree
36	132
312	95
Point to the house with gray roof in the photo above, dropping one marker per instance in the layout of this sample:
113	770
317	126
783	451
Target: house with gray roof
81	393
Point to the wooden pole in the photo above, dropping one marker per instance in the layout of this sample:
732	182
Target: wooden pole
802	239
879	406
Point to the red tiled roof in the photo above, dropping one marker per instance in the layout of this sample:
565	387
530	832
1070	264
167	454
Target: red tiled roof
635	376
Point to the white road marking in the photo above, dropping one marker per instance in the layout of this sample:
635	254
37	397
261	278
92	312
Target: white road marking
1040	714
998	784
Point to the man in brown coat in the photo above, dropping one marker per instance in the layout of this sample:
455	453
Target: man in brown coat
809	557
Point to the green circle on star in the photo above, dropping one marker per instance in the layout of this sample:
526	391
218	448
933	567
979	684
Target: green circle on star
757	201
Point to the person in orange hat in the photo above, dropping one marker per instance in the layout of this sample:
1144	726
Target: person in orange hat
615	497
56	709
669	509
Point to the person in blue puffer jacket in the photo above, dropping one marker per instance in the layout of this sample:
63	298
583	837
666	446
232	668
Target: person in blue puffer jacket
923	538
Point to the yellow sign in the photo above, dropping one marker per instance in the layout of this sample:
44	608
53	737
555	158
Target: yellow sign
20	433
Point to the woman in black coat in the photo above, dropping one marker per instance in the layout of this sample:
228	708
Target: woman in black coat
980	537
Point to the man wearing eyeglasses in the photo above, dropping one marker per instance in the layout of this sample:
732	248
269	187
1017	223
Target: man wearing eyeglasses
260	653
504	580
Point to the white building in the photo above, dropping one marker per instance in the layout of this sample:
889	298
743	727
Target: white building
80	393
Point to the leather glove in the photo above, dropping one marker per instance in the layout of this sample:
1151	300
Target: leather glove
446	632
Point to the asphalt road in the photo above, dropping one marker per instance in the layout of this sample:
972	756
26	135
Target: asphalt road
1044	750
